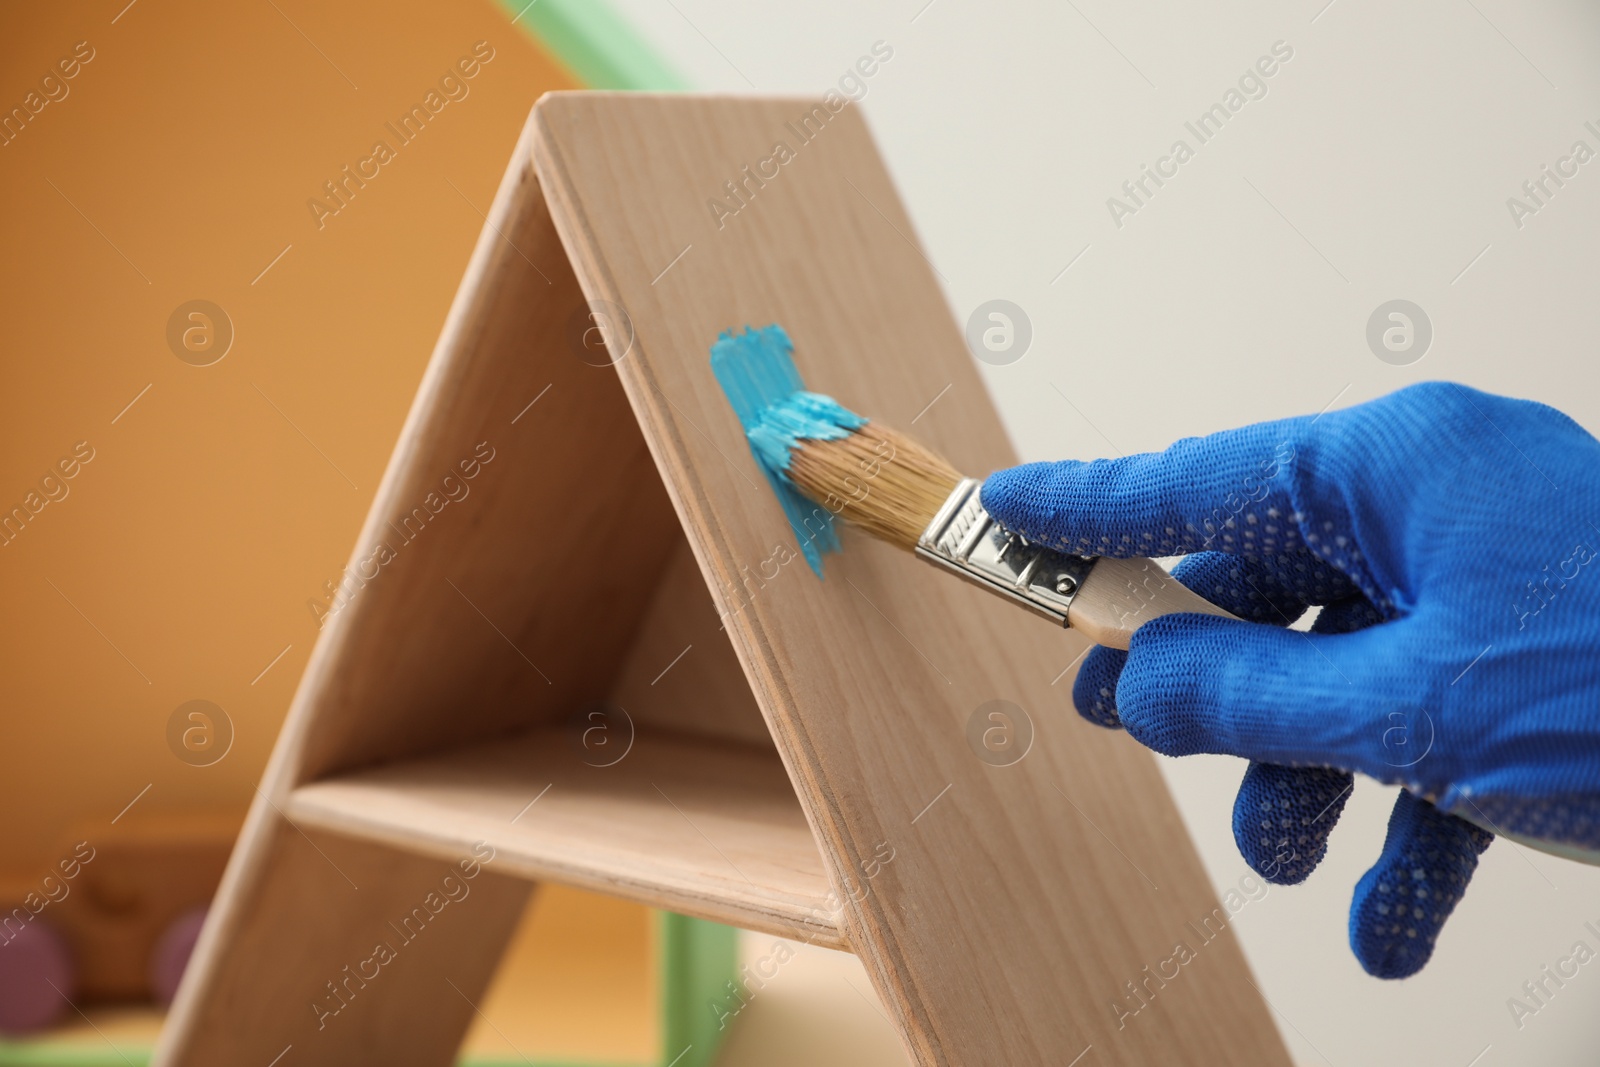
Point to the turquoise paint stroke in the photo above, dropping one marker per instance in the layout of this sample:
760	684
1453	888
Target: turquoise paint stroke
757	373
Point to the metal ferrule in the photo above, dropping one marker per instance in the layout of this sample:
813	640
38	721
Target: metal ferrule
964	538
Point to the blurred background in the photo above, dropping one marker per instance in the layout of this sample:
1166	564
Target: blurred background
229	364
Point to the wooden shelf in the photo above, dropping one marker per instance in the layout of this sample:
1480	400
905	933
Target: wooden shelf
996	919
699	827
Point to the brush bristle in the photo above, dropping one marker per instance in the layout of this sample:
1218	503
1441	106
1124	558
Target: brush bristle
875	478
816	452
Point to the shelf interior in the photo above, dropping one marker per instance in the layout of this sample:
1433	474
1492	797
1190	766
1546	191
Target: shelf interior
699	826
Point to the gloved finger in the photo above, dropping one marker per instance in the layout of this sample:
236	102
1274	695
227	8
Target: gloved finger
1228	492
1196	683
1261	590
1282	817
1401	904
1094	691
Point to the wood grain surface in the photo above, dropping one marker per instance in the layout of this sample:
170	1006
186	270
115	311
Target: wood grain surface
486	616
704	829
277	984
519	598
681	673
1001	910
1008	872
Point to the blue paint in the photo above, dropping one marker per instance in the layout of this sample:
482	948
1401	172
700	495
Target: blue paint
757	373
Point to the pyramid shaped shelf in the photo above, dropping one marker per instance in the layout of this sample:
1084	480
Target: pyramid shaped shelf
572	527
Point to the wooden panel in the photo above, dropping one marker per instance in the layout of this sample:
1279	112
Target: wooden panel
318	904
682	673
494	605
1010	917
702	828
504	595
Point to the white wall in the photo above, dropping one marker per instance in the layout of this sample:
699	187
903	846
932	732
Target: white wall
1390	142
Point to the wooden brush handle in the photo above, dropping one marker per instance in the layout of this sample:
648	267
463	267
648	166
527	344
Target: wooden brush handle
1120	595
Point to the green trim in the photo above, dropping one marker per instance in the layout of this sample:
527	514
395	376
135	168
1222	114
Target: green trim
19	1054
595	43
699	966
41	1054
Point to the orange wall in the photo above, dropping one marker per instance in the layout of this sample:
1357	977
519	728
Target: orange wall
177	166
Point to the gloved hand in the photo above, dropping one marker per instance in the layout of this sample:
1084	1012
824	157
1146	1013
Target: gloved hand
1450	538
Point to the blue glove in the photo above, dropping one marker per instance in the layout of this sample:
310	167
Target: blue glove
1449	537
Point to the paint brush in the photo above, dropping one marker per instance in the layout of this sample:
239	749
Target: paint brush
824	460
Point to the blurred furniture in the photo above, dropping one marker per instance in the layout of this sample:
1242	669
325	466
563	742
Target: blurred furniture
114	919
585	979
